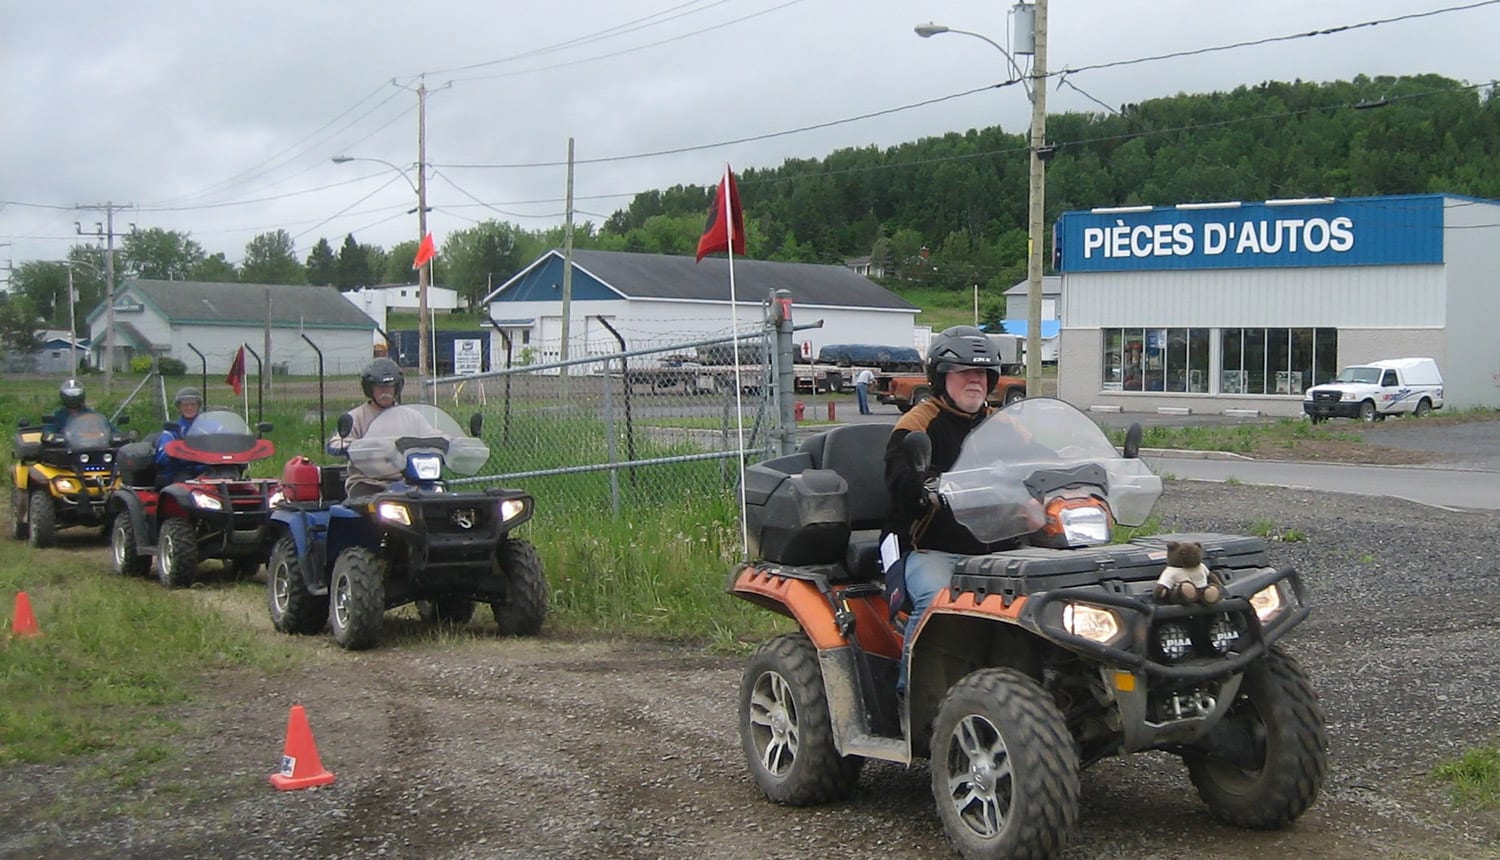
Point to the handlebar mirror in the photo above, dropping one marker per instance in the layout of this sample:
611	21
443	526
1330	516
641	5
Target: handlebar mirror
476	423
263	427
346	424
918	448
122	420
23	423
170	426
1132	448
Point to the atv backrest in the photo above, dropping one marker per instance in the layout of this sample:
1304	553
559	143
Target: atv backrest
857	453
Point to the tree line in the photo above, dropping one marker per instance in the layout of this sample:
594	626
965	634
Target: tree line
946	212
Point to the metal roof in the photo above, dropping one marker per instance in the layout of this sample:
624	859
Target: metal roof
197	302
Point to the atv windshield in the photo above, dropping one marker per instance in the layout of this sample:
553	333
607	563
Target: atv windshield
1042	441
421	428
88	431
218	433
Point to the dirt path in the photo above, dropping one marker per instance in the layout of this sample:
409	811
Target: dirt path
468	746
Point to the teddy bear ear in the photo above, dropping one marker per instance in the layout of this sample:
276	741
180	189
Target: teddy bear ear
1172	545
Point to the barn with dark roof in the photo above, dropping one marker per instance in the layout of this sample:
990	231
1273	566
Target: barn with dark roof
183	319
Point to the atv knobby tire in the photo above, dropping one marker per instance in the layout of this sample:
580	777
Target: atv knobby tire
124	550
356	607
176	553
20	529
524	607
785	729
41	516
446	610
1283	722
294	609
1004	768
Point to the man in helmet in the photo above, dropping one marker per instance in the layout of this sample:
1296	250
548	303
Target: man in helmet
382	382
962	366
188	402
71	398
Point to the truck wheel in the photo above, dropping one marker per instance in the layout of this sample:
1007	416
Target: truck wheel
523	608
20	529
1004	768
920	394
446	610
294	609
1012	395
357	599
1424	408
1367	412
176	553
785	729
1277	724
42	518
124	550
1318	419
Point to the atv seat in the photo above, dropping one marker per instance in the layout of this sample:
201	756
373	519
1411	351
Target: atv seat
856	452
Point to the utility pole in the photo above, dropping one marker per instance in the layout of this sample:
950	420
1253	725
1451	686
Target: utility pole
108	231
424	273
567	284
1037	196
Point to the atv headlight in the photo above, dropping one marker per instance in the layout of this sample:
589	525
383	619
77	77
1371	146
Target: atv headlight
1267	602
394	512
510	509
425	467
207	501
1091	622
66	485
1085	526
1223	633
1174	640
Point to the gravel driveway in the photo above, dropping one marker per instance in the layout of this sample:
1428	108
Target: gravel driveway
473	747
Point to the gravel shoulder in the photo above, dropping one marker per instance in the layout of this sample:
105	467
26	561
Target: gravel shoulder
470	746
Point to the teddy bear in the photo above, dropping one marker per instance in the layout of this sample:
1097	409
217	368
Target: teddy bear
1186	579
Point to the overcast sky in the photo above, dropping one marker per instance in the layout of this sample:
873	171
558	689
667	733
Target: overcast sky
220	118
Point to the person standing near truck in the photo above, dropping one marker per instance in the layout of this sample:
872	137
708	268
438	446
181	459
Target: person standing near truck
862	382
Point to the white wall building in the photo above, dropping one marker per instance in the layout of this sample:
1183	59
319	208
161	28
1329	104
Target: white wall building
1245	305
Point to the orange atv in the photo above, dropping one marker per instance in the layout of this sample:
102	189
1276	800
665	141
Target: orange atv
1037	661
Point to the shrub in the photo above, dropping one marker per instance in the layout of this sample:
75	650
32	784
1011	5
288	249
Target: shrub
169	366
140	364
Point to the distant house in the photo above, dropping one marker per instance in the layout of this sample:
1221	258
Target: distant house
203	324
53	356
379	300
1018	299
659	299
865	267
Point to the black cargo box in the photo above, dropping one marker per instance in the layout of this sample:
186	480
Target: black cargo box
1031	570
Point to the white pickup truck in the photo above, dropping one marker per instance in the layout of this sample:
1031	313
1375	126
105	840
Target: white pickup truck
1370	392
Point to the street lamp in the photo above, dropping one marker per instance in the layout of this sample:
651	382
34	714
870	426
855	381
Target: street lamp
1040	152
420	188
72	321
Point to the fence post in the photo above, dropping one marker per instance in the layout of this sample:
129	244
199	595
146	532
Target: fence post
611	447
781	314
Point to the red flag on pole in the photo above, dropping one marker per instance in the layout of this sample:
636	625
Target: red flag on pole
425	252
236	377
721	233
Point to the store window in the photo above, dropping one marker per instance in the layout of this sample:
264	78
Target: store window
1276	360
1155	359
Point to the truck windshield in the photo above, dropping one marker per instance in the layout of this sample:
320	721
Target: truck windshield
1364	375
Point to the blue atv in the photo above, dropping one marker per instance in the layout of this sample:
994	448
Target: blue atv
346	549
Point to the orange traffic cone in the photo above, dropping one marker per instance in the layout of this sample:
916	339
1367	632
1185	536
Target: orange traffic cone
23	623
300	767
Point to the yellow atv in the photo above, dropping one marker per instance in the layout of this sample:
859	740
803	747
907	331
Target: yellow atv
61	478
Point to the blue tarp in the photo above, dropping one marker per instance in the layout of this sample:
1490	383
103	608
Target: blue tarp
867	354
1050	328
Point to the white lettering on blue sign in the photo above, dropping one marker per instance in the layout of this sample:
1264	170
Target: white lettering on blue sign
1145	241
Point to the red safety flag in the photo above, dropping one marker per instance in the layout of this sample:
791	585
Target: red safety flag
721	233
425	252
236	377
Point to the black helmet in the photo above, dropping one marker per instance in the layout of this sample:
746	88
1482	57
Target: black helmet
381	371
71	393
960	347
187	393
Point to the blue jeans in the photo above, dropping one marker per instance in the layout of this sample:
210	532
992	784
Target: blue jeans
862	394
927	573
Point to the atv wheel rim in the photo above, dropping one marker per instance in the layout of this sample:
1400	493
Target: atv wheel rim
980	780
280	587
168	555
773	722
117	545
341	601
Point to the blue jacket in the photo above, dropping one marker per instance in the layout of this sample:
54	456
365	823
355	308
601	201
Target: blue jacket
59	419
168	466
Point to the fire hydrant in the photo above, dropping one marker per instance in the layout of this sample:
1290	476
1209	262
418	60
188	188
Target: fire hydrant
797	410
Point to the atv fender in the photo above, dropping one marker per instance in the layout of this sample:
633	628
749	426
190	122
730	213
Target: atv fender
301	525
347	527
143	525
798	598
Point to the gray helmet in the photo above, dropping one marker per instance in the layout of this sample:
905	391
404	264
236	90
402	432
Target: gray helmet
187	393
71	394
957	348
381	371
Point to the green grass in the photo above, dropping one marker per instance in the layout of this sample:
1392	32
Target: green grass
1474	778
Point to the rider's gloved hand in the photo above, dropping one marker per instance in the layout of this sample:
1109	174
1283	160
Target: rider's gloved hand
931	498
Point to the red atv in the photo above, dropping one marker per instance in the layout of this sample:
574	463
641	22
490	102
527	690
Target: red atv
218	513
1037	661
